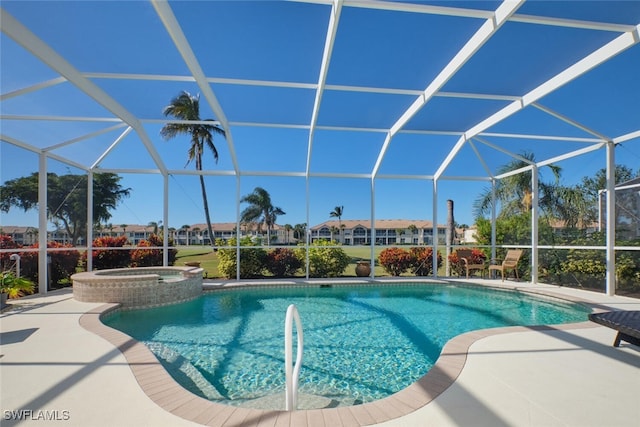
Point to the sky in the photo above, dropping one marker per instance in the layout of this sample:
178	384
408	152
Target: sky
264	62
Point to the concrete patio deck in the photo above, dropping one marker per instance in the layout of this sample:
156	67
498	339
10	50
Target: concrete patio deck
53	371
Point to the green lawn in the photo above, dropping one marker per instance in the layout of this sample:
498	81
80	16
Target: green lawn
202	254
209	260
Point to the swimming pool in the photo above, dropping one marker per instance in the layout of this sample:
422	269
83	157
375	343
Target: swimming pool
362	343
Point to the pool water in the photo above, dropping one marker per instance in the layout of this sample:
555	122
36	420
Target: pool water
361	343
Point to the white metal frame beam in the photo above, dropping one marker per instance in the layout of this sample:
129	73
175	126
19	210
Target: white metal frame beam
627	137
570	121
174	29
334	19
599	56
85	137
32	88
481	36
28	40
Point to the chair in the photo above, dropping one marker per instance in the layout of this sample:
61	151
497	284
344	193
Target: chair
510	263
466	258
627	323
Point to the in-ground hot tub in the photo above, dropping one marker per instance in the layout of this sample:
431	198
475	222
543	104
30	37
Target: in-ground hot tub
138	287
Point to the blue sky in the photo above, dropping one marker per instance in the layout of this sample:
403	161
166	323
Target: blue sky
124	49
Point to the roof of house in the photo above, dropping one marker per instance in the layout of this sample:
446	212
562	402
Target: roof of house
379	224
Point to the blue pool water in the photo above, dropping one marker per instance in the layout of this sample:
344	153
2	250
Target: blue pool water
361	343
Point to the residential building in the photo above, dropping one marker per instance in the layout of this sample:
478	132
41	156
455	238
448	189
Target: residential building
387	232
352	232
24	236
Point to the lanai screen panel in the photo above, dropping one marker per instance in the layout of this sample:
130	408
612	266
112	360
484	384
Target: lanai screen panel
330	85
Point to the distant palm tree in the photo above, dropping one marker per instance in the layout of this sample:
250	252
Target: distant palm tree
337	213
154	226
514	192
287	229
333	229
414	230
260	209
187	107
299	231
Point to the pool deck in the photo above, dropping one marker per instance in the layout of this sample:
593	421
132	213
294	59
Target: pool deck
52	367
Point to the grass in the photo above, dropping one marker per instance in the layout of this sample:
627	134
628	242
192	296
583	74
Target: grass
209	260
205	256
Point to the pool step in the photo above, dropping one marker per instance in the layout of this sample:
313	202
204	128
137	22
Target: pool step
177	365
305	401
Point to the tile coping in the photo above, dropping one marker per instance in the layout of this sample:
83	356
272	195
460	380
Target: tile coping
172	397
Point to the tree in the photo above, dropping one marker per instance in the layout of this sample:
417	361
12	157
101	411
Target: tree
591	187
513	193
337	213
154	226
333	229
260	210
413	229
287	229
299	231
187	107
66	199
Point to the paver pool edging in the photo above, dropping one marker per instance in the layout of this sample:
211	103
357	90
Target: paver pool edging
161	388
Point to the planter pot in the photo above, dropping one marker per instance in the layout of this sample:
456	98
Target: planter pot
363	269
3	300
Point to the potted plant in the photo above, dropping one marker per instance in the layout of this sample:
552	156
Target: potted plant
13	287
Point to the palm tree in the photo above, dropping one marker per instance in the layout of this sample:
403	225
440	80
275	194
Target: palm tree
337	213
514	192
187	107
414	230
287	229
260	209
333	229
154	227
299	231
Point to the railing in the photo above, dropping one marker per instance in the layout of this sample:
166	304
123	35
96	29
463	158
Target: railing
292	372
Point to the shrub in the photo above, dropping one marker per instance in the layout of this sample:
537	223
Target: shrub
142	257
283	262
324	261
110	258
422	260
252	260
395	261
63	262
